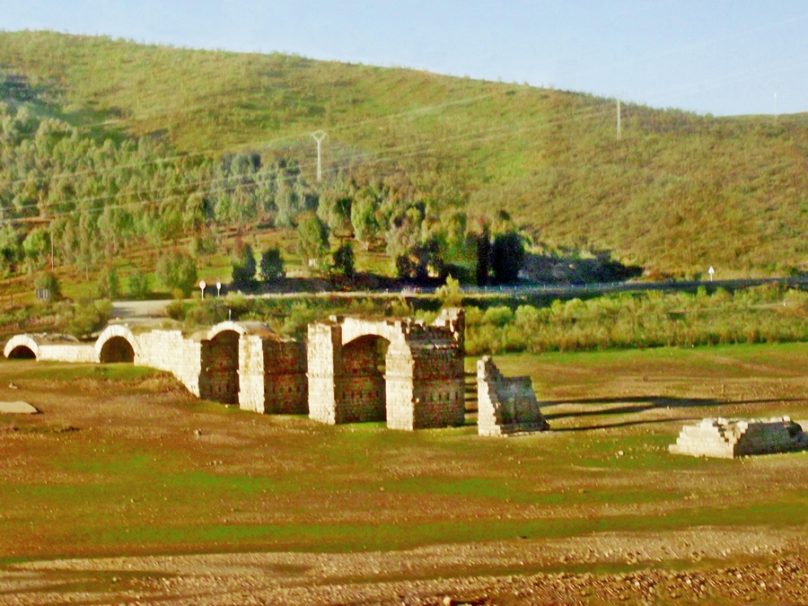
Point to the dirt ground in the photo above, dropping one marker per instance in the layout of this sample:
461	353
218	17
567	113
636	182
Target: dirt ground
126	490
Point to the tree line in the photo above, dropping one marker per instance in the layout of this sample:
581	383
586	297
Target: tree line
82	199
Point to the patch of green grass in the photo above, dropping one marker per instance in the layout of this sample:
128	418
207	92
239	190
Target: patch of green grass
58	371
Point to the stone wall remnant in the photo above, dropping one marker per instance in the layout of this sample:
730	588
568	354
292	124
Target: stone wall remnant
505	405
729	438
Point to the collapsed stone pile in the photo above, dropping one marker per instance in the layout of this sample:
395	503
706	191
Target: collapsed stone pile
729	438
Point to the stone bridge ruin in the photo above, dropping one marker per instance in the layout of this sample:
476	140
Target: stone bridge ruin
404	372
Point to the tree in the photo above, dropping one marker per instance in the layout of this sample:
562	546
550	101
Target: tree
421	261
483	255
36	246
312	240
139	284
244	268
363	217
272	264
107	284
177	270
507	255
344	261
9	249
335	209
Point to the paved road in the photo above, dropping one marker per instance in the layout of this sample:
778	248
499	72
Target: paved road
134	311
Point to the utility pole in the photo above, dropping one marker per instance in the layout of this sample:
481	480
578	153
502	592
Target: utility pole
619	129
775	106
318	136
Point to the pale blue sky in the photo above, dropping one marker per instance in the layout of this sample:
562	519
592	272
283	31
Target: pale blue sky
718	56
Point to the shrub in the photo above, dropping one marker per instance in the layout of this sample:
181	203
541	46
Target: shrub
450	294
83	318
205	313
498	316
47	281
139	284
176	309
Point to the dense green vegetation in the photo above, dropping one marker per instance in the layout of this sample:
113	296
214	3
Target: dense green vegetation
769	314
149	124
653	319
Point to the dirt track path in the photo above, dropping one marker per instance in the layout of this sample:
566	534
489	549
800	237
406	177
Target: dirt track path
679	567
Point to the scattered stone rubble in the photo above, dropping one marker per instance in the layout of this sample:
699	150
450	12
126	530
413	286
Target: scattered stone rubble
505	405
729	438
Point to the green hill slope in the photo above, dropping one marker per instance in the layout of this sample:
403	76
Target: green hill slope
677	193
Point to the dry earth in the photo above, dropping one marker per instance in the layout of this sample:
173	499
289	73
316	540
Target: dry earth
125	490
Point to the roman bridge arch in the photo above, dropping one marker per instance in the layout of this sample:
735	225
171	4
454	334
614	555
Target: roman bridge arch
219	375
117	343
245	363
21	347
399	371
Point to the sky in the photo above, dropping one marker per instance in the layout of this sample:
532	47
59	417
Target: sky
708	56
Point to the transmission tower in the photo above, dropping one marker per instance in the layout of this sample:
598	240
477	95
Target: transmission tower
318	136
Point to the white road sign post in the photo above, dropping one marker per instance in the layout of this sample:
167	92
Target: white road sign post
218	289
202	286
711	272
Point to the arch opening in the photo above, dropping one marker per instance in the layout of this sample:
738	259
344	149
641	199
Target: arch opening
116	349
364	384
220	380
22	352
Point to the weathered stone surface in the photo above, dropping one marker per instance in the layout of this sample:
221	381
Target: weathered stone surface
17	408
401	371
728	438
505	405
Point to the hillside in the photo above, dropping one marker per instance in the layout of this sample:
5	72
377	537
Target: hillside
677	193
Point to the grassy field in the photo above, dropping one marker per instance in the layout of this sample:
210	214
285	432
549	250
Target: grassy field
727	192
115	464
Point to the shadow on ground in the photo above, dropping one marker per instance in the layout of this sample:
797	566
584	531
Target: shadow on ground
641	404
